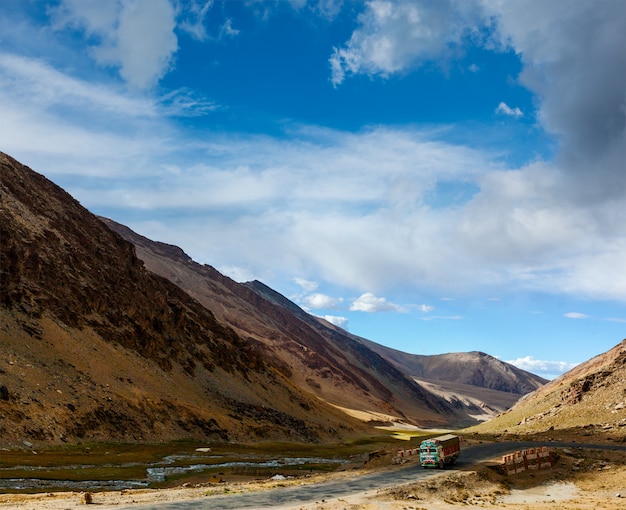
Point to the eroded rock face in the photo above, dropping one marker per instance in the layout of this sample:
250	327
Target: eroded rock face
59	258
102	348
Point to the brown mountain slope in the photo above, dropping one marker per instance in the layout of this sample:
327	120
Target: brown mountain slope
328	362
590	397
472	368
475	383
92	345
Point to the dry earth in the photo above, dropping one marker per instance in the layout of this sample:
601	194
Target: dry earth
579	479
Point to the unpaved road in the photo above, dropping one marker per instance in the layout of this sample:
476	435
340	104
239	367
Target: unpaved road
310	493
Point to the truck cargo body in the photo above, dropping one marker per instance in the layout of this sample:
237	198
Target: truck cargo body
438	451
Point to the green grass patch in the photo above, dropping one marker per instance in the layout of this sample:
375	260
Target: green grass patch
176	462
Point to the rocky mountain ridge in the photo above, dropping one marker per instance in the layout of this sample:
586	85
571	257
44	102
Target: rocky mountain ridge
328	360
474	368
94	346
332	365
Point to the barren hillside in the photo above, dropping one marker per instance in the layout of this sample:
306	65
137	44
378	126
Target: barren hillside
326	361
588	400
474	383
473	368
94	346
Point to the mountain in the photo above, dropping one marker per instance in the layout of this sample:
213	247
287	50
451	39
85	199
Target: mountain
589	399
473	382
472	368
328	362
95	346
364	378
106	335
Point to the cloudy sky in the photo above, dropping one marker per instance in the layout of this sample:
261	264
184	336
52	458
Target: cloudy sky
436	176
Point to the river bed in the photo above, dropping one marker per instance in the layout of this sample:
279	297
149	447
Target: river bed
119	467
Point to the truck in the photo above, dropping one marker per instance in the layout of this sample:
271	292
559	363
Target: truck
438	451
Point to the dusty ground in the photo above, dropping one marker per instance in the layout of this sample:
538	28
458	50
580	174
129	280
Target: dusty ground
578	480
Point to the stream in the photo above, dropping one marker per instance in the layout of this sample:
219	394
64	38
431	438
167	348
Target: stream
118	467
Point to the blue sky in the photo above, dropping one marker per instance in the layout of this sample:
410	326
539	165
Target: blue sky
434	176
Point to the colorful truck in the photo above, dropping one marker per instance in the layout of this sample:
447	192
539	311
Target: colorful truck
438	451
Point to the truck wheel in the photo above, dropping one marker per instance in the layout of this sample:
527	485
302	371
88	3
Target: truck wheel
441	464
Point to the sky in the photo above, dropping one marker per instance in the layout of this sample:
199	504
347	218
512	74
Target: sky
435	176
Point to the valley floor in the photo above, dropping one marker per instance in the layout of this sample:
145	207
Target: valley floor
579	479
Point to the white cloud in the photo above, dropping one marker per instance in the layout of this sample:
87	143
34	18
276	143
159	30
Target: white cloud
47	87
394	169
576	315
137	36
505	109
319	301
397	34
548	369
573	60
80	128
237	273
306	284
94	16
342	322
194	18
369	303
185	103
